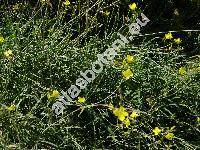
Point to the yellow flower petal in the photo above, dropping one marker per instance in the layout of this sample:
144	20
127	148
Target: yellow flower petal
66	3
55	94
127	74
198	119
169	136
182	71
168	36
11	108
2	39
133	6
134	115
127	122
81	100
122	109
120	112
156	131
129	58
178	41
116	111
121	117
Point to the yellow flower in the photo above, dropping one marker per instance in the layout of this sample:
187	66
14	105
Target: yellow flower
81	100
178	41
107	13
156	131
2	39
127	74
127	122
169	136
66	3
134	115
53	95
11	108
133	6
168	36
120	112
129	58
182	71
198	119
8	54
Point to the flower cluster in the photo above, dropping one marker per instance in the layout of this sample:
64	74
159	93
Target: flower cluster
97	67
124	116
169	36
8	54
167	134
128	73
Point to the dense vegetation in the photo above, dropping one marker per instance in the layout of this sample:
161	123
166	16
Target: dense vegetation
147	98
